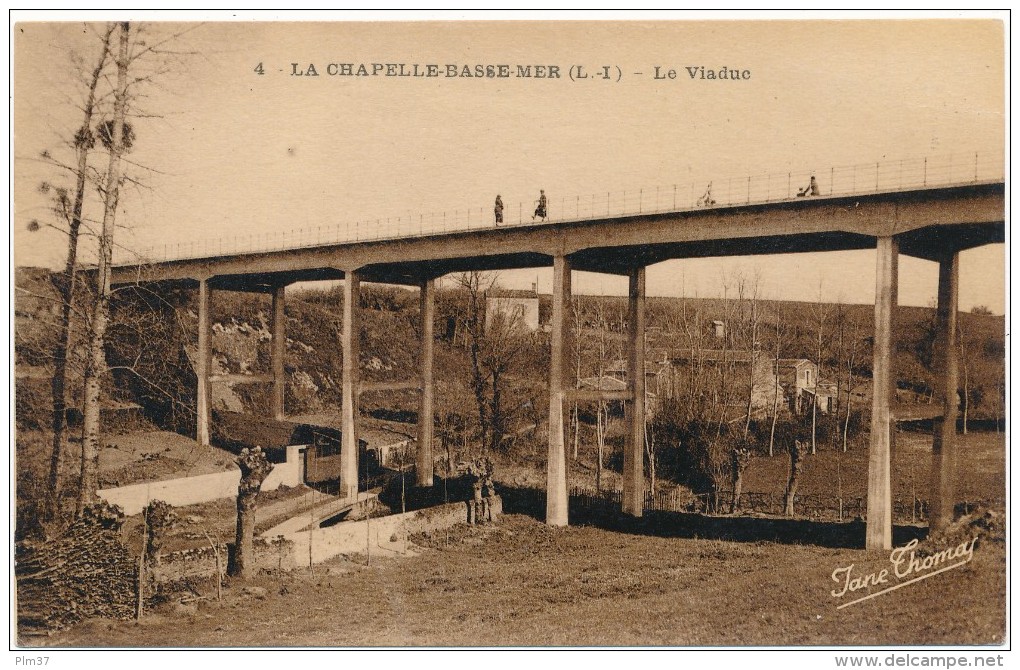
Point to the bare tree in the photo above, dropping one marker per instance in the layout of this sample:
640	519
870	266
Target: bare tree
740	458
820	314
96	363
780	336
577	309
71	210
495	344
849	352
695	345
601	407
796	465
966	364
747	296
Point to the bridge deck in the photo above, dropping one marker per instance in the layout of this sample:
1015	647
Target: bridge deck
928	222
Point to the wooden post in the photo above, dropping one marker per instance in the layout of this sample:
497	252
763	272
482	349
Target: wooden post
943	495
349	387
634	447
556	473
424	465
279	348
879	530
203	363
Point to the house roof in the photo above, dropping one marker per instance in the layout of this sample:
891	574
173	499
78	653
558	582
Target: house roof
727	355
603	383
793	362
617	365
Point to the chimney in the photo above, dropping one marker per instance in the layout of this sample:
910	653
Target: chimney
534	287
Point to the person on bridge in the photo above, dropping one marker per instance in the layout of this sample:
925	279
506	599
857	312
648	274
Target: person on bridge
810	189
706	200
499	210
540	211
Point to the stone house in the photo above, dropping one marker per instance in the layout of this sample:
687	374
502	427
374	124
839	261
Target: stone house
800	381
515	306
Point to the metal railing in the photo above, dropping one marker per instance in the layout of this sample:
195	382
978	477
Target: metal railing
886	176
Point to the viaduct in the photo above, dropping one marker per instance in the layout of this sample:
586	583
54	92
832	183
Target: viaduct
924	220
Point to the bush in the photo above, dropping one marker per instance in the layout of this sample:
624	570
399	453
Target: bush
33	401
697	453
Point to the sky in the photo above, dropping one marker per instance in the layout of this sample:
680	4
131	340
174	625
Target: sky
223	151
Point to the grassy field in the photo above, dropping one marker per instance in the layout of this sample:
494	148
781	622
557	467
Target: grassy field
981	475
519	582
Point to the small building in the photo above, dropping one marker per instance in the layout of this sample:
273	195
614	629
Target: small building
737	371
519	308
799	378
612	382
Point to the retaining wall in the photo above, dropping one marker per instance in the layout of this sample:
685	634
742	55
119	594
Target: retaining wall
203	488
375	535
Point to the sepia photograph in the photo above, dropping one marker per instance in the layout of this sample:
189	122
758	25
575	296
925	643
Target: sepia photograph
502	330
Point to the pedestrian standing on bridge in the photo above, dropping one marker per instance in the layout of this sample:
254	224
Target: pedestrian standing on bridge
499	210
540	211
810	189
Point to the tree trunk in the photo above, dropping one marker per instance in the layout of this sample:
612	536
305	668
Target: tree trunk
242	566
496	413
775	399
775	413
739	460
96	365
750	394
818	377
796	460
650	451
849	401
600	441
966	396
254	470
577	430
84	141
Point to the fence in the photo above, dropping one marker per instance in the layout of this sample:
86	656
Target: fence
878	177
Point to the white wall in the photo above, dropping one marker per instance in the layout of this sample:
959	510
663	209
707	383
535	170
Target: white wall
203	488
355	537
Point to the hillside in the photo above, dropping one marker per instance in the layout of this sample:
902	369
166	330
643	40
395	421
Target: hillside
152	343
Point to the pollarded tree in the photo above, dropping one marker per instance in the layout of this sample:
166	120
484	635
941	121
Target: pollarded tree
254	470
796	465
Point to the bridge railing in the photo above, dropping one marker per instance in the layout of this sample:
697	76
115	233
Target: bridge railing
864	178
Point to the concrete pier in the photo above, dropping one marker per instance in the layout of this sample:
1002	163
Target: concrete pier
634	446
946	364
556	473
879	532
278	353
203	366
349	385
426	412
